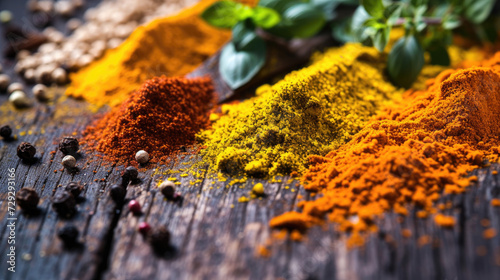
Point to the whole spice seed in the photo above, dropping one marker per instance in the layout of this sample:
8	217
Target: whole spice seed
69	145
5	131
160	240
40	92
167	188
74	188
142	157
161	129
27	199
68	234
15	87
4	82
129	175
69	161
117	193
26	151
258	189
64	203
19	99
135	207
144	228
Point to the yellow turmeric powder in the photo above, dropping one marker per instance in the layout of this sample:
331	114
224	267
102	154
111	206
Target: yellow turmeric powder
310	111
410	152
171	46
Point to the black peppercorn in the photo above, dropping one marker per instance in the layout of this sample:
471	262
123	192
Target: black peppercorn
74	188
68	234
27	199
129	175
26	151
160	239
5	131
64	204
69	145
182	149
117	193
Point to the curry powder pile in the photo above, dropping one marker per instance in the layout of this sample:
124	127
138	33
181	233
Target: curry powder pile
163	115
171	46
310	111
411	153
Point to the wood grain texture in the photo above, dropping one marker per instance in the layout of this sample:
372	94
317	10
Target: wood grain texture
213	235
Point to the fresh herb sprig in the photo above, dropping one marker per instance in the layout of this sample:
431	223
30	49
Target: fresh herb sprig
245	55
428	28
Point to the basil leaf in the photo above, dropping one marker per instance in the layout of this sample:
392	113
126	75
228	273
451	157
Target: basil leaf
451	22
381	38
222	14
375	8
239	67
392	13
405	61
243	34
299	21
478	10
341	31
265	17
278	5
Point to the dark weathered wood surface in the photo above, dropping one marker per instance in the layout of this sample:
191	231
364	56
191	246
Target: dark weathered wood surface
214	236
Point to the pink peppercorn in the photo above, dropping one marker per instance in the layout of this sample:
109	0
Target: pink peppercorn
134	207
144	228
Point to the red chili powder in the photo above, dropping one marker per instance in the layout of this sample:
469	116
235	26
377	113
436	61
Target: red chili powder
163	115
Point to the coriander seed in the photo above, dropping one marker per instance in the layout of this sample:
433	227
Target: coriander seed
142	157
69	145
5	131
27	199
26	151
167	188
64	204
40	92
68	161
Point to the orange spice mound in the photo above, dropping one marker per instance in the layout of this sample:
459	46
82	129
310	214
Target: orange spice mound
163	115
410	153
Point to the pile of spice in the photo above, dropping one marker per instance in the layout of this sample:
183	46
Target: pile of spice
102	30
171	46
162	116
410	153
311	111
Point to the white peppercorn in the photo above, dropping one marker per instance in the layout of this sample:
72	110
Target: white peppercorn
29	75
5	16
64	8
19	99
22	54
4	82
142	157
73	24
40	92
59	76
69	161
15	87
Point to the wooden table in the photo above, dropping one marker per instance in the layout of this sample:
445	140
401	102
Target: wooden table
213	235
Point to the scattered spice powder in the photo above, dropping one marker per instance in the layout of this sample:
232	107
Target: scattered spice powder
489	233
411	152
164	114
172	46
495	202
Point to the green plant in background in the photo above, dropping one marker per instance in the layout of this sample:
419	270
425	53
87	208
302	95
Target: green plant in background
245	55
428	28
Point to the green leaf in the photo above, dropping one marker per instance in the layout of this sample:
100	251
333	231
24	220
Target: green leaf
299	21
357	24
381	38
341	31
478	10
243	34
222	14
265	17
239	67
375	8
278	5
451	22
405	61
392	13
439	55
327	6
